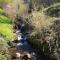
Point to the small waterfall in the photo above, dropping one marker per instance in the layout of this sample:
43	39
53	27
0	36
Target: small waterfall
23	42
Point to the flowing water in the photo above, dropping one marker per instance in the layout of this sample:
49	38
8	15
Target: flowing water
24	45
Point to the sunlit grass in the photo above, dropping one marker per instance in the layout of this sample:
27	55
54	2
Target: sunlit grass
1	11
6	31
4	19
5	26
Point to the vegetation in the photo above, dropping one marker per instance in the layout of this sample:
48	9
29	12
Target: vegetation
40	19
53	10
6	35
3	2
44	34
6	27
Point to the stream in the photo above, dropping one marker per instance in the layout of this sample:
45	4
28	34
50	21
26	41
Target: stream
24	47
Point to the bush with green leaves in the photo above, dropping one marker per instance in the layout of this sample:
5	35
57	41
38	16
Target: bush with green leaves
46	33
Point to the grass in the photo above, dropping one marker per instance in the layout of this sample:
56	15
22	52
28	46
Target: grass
6	27
2	57
1	11
7	34
6	31
4	19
